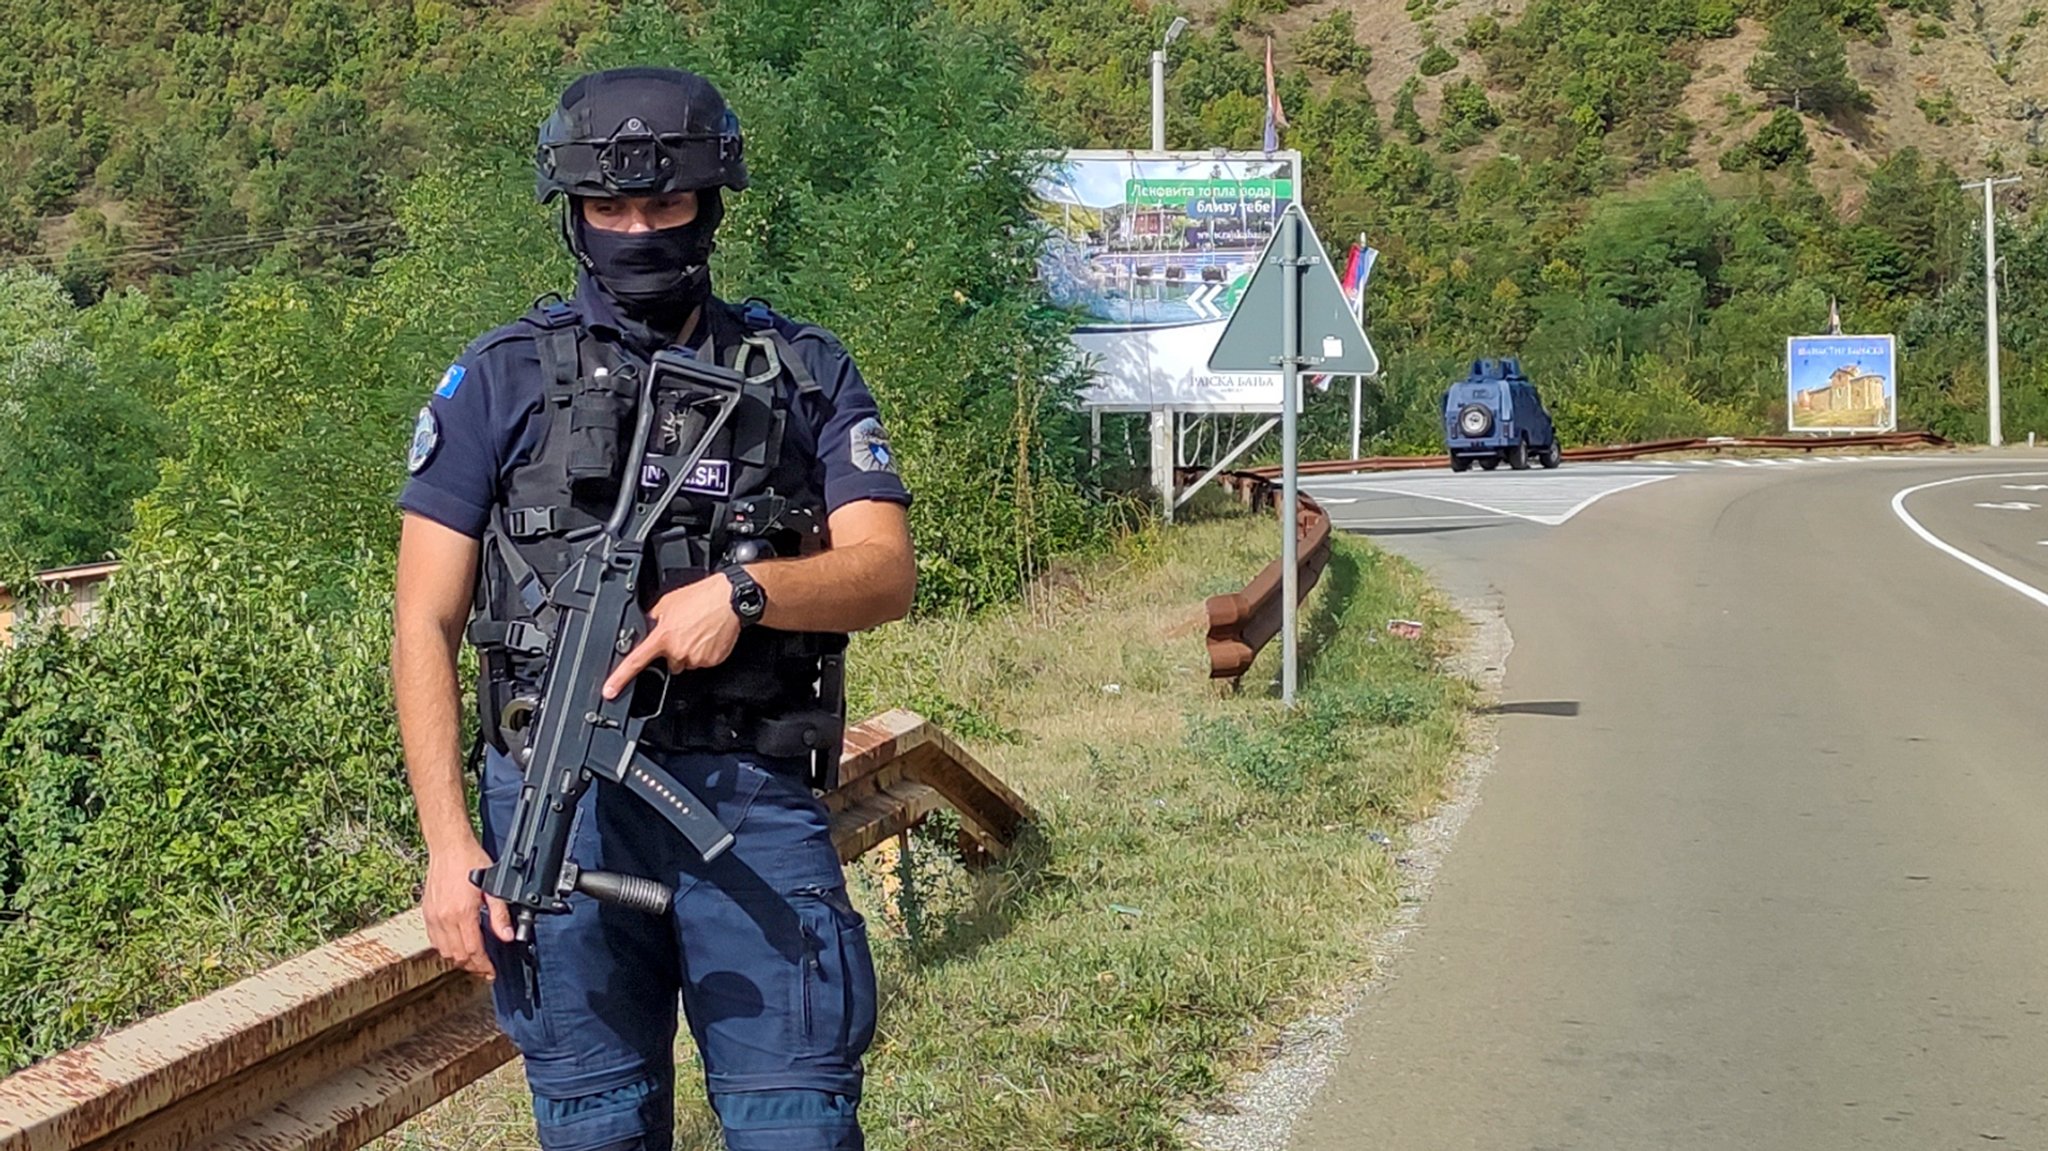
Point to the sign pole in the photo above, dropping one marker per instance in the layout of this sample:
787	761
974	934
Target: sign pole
1357	410
1290	402
1294	289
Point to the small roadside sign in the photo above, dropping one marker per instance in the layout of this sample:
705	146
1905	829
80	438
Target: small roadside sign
1331	340
1293	315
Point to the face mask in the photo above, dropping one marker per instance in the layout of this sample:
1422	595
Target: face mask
657	277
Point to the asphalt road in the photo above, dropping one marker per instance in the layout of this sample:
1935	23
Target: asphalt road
1763	859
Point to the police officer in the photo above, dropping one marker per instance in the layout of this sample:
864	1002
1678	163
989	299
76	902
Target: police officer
791	533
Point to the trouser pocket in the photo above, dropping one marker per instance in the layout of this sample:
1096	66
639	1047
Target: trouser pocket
834	1015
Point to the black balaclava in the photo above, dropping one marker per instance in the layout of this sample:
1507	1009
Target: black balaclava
656	278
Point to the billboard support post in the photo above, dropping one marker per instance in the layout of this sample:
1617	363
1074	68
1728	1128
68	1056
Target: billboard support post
1162	460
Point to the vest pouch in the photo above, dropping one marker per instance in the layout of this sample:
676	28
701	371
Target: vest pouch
597	426
799	733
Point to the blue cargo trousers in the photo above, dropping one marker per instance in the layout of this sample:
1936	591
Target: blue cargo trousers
768	958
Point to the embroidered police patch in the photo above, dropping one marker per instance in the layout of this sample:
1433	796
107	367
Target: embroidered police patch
869	446
426	436
451	380
710	478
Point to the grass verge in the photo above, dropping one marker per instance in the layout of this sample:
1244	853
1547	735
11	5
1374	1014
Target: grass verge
1206	868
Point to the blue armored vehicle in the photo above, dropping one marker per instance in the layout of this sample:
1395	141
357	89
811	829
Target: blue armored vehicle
1494	414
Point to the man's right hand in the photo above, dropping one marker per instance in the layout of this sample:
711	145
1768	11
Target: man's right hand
450	903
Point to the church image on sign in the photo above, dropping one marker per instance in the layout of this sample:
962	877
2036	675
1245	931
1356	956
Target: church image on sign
1841	383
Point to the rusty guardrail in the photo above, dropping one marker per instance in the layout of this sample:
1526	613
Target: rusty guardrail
1883	441
331	1049
1241	622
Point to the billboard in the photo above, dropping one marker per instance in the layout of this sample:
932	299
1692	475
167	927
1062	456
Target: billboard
1149	252
1841	384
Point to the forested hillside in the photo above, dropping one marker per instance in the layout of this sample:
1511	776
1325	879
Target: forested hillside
242	239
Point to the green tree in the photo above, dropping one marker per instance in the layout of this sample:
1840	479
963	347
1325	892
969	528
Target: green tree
1331	44
1465	116
75	448
1803	63
1406	119
1781	141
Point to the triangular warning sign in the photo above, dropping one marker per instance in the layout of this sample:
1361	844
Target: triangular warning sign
1331	340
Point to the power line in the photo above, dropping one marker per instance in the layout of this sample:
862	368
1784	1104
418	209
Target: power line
211	246
215	245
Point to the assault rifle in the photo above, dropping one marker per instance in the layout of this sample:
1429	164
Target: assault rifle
573	734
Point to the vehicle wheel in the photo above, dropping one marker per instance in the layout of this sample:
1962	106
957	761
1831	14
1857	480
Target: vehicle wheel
1518	455
1489	463
1552	454
1461	463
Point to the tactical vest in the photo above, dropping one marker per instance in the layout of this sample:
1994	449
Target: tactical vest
779	693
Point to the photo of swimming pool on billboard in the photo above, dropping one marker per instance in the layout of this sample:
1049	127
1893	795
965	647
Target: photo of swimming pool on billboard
1149	254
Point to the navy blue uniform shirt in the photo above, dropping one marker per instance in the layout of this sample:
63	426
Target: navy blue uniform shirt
485	419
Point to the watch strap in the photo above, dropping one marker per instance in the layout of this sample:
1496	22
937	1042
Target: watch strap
744	588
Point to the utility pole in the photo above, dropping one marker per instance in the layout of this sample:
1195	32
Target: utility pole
1989	183
1162	418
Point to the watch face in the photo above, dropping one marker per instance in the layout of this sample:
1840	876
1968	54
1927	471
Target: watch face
747	598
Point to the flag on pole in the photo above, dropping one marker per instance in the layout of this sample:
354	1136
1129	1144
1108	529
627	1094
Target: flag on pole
1357	268
1276	119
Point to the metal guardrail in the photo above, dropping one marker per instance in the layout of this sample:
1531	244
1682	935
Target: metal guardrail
331	1049
1884	441
1241	623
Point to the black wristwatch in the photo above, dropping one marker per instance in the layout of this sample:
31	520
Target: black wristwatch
748	600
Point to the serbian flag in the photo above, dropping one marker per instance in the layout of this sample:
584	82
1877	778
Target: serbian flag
1357	268
1275	118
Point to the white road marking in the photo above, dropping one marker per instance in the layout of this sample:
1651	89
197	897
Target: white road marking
1548	499
2011	506
1446	517
1943	546
2025	487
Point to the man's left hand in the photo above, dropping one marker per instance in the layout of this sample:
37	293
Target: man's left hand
691	627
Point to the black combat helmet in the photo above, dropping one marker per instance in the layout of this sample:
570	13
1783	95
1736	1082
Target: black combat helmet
639	132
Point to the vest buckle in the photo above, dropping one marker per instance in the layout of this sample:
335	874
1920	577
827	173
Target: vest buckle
525	638
525	523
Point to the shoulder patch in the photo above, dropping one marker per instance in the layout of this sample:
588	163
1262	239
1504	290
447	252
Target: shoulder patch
868	443
451	380
426	436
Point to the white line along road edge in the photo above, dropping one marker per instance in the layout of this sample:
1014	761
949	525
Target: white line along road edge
1941	545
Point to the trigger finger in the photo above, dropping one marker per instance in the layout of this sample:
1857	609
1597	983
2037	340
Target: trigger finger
628	667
